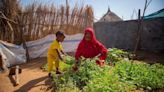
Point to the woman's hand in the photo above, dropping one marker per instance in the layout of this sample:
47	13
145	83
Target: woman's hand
101	63
75	66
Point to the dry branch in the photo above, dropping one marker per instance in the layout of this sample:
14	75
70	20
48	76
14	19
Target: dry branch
35	21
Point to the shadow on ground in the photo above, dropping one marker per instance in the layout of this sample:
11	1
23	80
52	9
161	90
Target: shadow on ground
33	83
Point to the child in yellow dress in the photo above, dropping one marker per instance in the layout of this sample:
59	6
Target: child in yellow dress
54	53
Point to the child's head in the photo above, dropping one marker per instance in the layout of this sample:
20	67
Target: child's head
60	36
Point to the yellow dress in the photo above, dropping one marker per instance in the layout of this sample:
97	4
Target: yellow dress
52	56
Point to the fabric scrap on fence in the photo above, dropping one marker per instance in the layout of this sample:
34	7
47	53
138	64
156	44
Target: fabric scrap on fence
12	54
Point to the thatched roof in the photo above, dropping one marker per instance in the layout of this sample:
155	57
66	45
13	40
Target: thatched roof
110	17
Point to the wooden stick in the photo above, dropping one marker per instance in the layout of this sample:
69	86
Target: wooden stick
11	29
17	75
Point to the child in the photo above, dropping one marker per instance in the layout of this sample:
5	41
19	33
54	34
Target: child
54	53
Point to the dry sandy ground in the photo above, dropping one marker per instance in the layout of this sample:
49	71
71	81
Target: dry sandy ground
32	79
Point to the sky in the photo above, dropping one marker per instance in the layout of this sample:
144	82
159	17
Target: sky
123	8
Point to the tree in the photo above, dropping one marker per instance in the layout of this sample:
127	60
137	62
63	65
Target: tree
140	24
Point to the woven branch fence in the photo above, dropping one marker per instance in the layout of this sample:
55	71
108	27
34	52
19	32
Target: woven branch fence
35	21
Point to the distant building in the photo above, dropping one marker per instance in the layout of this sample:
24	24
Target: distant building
110	17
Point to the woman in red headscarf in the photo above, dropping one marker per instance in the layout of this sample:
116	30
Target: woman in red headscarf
90	47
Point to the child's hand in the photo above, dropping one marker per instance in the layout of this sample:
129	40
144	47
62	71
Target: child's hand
63	58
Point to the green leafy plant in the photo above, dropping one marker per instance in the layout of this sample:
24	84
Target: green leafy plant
125	76
92	78
115	55
69	60
143	75
44	67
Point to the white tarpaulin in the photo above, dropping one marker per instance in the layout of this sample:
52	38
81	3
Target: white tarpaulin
12	54
38	48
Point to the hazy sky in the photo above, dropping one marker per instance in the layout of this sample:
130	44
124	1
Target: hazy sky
123	8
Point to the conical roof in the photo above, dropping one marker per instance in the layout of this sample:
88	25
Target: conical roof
110	17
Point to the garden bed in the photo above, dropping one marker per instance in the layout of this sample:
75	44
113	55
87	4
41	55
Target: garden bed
123	76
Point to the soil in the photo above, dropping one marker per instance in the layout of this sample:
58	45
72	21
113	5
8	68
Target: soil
150	57
32	79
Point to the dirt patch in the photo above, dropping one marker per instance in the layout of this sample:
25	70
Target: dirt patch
32	79
150	57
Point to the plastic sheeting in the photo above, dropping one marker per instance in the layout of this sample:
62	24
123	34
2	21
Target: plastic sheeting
12	54
39	48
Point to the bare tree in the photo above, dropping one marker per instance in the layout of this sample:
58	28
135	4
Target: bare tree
134	14
140	25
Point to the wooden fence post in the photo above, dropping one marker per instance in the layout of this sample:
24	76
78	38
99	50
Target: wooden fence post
138	32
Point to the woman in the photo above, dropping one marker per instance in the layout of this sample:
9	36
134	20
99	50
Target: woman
90	47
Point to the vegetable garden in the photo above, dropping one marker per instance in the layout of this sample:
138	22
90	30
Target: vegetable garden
123	76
